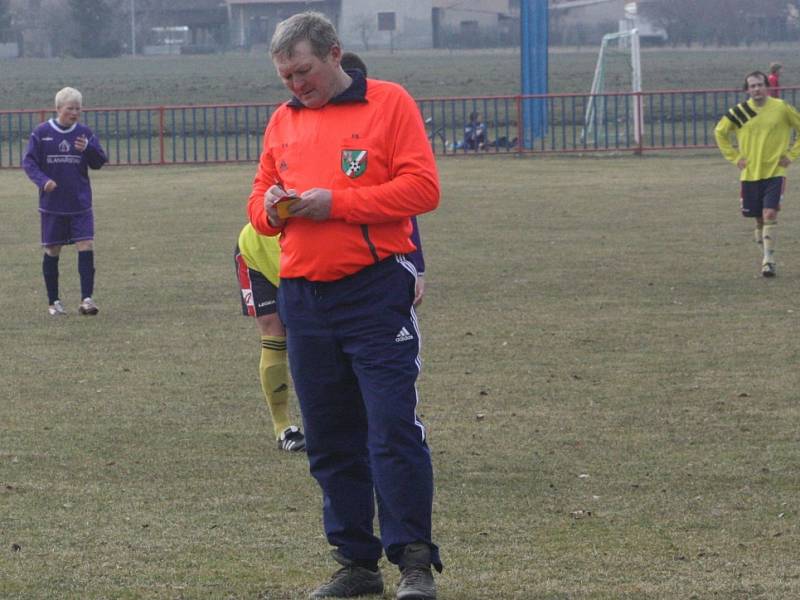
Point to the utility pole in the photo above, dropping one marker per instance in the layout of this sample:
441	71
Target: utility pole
133	27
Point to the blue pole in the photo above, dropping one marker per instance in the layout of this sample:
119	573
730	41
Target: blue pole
534	27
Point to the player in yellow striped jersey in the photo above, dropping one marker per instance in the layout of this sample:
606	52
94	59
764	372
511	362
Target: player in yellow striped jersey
257	268
762	127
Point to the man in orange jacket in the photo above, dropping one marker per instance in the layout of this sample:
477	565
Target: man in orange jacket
345	165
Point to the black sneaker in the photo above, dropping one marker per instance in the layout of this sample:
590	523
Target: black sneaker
292	440
768	270
350	581
416	579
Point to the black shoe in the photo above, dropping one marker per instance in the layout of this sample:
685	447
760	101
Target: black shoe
416	579
768	270
350	581
292	440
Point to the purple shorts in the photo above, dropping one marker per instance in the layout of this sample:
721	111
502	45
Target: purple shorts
59	230
758	195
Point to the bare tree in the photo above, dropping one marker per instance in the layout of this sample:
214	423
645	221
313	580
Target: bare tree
680	19
365	25
5	20
96	29
31	20
721	22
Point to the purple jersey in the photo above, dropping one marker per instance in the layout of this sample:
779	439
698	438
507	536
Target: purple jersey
51	154
416	257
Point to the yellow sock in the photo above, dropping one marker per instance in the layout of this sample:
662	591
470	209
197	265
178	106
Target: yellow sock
770	238
759	233
274	373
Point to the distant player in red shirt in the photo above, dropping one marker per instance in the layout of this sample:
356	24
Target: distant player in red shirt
350	159
773	78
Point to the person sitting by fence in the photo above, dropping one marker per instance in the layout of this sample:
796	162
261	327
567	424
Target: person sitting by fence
474	134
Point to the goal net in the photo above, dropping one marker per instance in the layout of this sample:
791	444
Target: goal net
613	116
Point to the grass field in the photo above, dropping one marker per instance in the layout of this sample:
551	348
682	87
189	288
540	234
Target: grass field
31	83
610	390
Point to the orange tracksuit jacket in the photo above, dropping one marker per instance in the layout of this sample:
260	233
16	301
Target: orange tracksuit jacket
369	147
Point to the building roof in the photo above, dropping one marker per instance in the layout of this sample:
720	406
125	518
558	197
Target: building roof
176	5
567	4
235	2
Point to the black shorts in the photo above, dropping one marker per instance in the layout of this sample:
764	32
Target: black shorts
258	294
758	195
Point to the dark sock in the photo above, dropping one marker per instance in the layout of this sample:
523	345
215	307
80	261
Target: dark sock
50	272
86	271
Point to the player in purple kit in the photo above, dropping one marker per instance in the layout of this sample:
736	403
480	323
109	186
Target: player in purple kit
58	158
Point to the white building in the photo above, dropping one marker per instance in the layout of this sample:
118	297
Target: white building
386	24
360	23
475	22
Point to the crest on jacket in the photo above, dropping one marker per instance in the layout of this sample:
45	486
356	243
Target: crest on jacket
354	162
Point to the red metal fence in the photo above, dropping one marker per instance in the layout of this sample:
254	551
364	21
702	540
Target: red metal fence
573	123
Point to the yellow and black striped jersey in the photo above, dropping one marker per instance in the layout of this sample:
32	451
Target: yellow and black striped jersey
261	252
763	134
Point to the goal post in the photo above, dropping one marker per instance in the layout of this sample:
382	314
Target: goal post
597	125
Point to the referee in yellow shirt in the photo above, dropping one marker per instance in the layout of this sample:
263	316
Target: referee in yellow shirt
762	127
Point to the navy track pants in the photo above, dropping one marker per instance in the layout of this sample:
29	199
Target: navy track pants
354	355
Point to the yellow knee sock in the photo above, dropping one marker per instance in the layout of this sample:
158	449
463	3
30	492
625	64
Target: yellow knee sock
770	238
274	373
758	234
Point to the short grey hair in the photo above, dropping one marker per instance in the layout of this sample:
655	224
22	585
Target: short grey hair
68	94
309	26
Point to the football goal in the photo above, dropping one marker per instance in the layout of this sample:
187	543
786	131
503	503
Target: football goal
613	114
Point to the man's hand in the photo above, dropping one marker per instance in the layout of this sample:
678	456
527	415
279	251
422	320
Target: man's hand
271	197
314	204
80	143
741	163
419	290
784	161
49	185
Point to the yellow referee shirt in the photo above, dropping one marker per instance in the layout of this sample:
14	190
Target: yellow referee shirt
762	137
